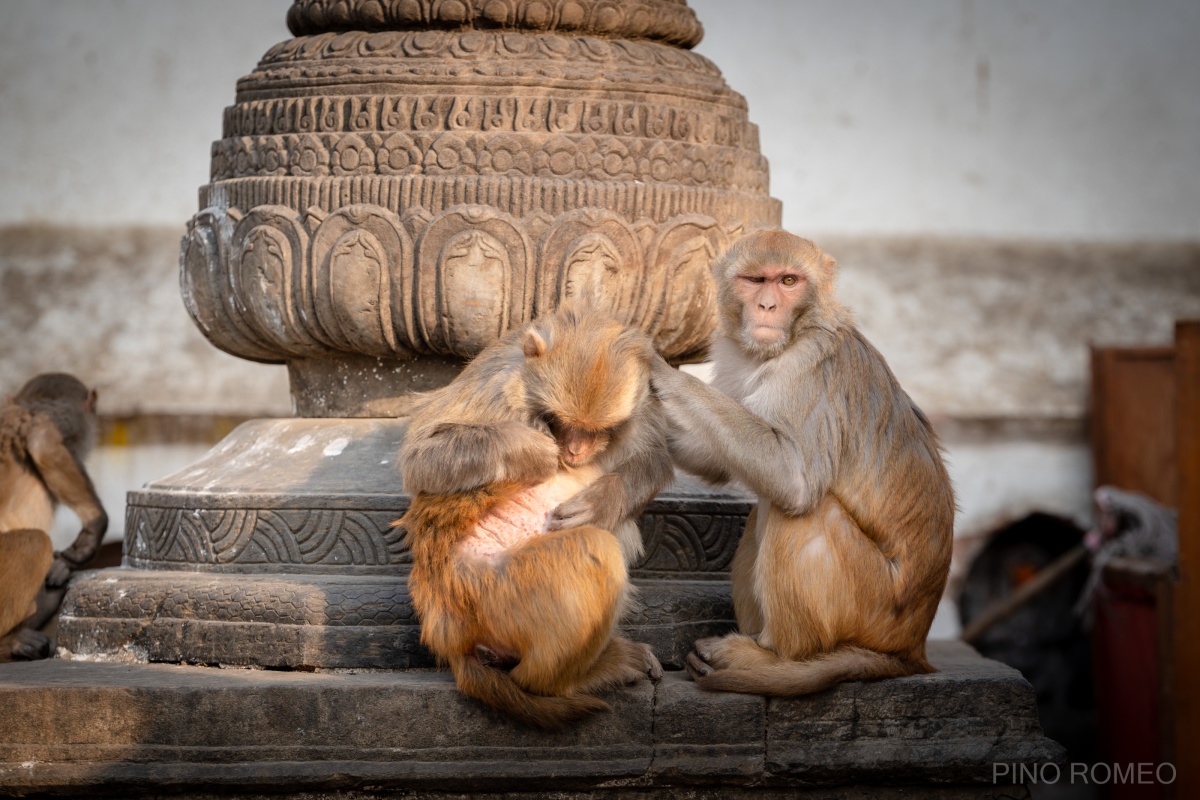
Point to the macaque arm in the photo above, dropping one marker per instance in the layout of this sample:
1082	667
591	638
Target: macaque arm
696	461
67	480
721	433
456	457
628	483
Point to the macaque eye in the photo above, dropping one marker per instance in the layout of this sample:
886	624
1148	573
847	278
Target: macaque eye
752	278
789	280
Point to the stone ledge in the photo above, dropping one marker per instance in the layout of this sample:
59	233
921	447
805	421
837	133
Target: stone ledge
317	621
74	726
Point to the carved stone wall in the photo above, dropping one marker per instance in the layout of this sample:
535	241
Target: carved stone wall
410	179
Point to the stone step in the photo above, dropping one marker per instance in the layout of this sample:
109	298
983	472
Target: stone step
87	728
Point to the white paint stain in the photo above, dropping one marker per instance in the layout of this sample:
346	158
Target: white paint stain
336	447
302	444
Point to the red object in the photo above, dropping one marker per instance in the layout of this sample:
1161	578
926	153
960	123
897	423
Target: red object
1127	665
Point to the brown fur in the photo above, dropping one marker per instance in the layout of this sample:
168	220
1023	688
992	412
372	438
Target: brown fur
45	433
567	398
841	567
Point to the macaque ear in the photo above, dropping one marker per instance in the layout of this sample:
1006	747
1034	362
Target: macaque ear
91	402
828	264
532	344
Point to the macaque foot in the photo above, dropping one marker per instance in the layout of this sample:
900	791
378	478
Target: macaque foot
24	644
496	658
713	653
710	650
696	666
653	667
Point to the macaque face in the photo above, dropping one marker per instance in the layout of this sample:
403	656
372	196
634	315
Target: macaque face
576	446
770	295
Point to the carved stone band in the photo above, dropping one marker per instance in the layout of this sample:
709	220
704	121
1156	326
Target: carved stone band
477	60
561	156
273	284
520	114
669	21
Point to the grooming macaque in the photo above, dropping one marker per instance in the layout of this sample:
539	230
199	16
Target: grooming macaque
843	562
527	475
45	433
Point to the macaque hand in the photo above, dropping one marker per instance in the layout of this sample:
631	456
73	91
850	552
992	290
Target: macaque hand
84	548
60	572
592	506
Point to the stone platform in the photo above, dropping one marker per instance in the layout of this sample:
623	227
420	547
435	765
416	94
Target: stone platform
73	728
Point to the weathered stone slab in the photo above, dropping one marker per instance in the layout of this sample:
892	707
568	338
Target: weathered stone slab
76	727
318	620
948	727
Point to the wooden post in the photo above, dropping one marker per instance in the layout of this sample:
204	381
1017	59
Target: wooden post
1186	605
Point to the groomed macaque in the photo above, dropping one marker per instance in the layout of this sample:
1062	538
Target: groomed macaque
842	564
527	475
46	431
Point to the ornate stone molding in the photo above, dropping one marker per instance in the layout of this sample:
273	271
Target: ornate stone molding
275	284
412	179
553	156
669	21
562	114
684	540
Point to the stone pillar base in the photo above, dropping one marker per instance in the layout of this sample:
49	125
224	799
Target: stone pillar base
277	550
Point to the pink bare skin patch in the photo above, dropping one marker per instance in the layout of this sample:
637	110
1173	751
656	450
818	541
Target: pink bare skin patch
524	516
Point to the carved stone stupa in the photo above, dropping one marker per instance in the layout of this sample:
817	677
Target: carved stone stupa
396	187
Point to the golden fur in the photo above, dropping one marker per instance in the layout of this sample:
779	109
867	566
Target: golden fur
526	621
842	565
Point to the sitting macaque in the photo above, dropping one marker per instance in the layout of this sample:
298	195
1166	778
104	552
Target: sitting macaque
527	474
45	433
842	564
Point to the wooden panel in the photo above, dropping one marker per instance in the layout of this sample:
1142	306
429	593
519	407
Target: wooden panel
1185	665
1133	420
1127	648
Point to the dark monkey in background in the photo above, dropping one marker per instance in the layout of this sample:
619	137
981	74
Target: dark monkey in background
46	431
842	564
527	473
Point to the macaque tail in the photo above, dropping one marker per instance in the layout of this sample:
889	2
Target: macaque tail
497	688
784	678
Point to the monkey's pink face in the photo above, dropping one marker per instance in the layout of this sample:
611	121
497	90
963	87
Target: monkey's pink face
769	295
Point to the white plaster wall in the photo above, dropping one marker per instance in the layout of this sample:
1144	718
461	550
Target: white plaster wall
108	108
1077	119
1069	120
